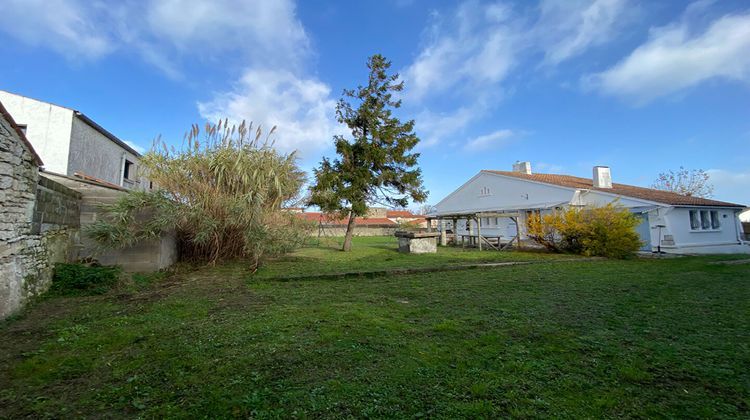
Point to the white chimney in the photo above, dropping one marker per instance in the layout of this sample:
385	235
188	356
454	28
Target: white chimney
522	167
602	177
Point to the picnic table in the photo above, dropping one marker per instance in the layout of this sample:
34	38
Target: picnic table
473	239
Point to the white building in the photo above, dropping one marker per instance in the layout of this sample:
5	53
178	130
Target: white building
70	143
673	222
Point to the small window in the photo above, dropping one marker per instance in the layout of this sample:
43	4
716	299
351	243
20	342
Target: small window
715	223
22	127
705	220
127	170
695	223
484	191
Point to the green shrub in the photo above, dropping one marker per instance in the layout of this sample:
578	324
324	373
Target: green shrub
607	231
223	194
79	279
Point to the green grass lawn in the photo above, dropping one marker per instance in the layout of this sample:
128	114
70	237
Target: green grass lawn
637	338
380	253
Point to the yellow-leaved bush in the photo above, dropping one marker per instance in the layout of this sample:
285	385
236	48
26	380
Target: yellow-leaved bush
607	231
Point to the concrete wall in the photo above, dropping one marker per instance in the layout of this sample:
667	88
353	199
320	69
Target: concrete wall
362	230
48	128
92	153
143	257
36	229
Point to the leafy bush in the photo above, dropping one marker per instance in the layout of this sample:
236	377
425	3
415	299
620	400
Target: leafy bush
607	231
223	194
79	279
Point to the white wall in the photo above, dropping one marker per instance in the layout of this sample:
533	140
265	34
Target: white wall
94	154
677	221
488	192
48	128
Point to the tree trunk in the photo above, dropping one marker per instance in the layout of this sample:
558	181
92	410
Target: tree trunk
349	233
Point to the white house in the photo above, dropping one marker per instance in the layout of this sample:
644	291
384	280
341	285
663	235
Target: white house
70	143
672	222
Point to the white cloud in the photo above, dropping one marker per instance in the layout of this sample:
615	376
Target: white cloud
266	30
65	26
433	127
467	56
490	141
475	46
163	32
674	58
470	55
730	186
568	28
301	109
264	39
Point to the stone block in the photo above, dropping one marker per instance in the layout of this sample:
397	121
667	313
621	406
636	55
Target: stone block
417	242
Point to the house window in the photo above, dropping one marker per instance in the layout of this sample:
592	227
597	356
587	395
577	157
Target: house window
704	220
127	170
22	127
695	223
484	191
715	223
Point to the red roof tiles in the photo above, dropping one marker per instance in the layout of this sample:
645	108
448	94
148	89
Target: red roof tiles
624	190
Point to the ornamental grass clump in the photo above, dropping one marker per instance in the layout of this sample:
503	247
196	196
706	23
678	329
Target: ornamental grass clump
223	194
607	231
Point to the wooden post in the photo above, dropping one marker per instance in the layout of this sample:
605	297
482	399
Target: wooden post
469	228
455	231
479	233
518	230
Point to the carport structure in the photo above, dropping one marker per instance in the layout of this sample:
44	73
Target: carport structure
477	239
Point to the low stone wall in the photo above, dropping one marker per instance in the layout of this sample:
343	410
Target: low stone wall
362	230
56	205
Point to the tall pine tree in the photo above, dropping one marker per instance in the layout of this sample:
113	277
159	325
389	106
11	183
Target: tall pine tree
377	166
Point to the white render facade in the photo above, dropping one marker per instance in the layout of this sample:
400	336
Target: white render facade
696	227
70	143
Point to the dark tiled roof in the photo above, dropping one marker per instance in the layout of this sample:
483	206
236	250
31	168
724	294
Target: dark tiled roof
624	190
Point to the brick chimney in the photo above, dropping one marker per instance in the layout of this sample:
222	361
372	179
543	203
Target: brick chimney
522	167
602	177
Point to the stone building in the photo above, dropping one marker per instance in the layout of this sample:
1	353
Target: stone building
38	220
71	143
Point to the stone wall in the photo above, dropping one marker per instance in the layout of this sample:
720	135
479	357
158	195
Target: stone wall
359	230
32	238
55	205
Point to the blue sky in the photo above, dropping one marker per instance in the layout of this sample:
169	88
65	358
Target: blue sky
639	86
